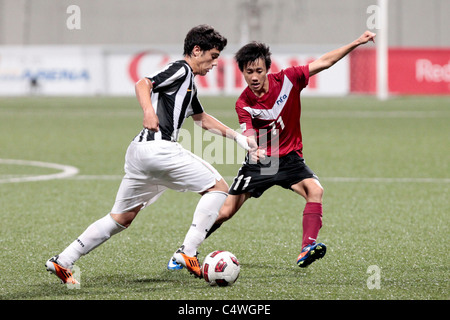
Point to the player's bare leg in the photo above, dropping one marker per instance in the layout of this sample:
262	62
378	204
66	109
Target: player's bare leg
310	189
232	205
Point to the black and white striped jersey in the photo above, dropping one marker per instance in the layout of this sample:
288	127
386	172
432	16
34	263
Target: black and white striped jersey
174	98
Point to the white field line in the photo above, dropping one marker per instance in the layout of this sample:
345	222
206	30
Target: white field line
328	179
70	172
66	171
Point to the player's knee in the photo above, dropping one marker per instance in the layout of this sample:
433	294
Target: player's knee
314	193
125	219
319	192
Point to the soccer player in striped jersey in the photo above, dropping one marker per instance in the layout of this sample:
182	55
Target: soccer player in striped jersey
269	111
155	162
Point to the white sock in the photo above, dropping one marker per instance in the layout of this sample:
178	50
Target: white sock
97	233
204	217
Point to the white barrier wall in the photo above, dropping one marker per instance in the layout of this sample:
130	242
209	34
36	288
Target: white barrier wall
54	70
51	70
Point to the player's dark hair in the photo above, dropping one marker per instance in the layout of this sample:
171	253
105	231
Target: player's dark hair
204	36
252	52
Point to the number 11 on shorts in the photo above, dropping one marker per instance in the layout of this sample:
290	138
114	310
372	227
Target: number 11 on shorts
238	182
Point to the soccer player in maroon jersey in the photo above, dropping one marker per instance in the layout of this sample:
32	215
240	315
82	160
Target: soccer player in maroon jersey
269	111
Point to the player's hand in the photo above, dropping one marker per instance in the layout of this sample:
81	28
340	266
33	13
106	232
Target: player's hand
366	37
252	144
151	122
254	151
257	155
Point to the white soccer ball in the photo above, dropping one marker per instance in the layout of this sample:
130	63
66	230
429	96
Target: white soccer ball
221	268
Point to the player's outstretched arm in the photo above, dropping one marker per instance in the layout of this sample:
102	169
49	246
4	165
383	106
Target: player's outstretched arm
210	123
330	58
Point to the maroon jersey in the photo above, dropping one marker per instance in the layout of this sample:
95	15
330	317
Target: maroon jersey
275	117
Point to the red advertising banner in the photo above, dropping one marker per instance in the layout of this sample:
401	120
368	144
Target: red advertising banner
411	71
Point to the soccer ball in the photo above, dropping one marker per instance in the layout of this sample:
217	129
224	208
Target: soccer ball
221	268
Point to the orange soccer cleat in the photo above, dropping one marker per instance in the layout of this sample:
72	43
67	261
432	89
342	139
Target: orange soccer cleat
191	263
64	274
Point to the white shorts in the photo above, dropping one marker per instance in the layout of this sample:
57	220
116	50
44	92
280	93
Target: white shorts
155	166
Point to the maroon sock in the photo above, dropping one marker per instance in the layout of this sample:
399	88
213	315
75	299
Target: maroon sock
312	222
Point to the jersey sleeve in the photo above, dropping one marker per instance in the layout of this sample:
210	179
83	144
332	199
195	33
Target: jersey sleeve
168	76
196	105
299	75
